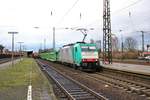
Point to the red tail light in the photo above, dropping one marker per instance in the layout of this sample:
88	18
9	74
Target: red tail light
89	60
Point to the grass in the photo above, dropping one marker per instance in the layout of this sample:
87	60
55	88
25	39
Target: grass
15	80
14	76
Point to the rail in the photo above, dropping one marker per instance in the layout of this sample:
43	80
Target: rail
71	88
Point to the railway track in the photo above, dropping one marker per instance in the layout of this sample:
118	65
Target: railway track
129	75
130	88
72	89
128	85
3	60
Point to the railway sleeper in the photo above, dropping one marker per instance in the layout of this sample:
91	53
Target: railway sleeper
75	90
148	98
89	97
139	87
80	92
70	86
81	95
60	94
142	88
148	94
138	91
146	90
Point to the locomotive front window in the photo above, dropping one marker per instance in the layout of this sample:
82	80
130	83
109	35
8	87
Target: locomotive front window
76	49
88	48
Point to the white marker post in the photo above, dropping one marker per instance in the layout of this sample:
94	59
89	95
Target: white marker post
29	95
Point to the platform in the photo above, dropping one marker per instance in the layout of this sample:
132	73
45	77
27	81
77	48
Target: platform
141	69
8	64
24	80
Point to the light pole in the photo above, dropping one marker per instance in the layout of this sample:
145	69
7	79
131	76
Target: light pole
142	41
53	38
54	29
122	46
23	49
12	57
20	49
44	44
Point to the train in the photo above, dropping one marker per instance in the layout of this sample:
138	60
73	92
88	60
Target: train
50	56
8	55
80	55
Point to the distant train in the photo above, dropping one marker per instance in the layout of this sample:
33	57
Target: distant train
8	55
80	55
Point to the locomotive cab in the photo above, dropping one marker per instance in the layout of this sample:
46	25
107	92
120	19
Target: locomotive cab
86	56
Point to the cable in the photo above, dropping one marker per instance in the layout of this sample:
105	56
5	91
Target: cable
68	11
134	3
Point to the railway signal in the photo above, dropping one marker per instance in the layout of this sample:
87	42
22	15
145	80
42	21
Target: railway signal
143	43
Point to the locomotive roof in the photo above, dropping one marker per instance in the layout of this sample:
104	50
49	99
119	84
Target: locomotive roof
77	43
73	44
68	45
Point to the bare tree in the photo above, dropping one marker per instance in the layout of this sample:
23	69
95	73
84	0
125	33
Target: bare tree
130	44
115	43
1	48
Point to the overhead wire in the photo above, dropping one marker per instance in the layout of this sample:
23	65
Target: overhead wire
68	11
74	4
134	3
119	10
128	6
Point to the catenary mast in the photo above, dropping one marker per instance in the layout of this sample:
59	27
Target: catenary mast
107	45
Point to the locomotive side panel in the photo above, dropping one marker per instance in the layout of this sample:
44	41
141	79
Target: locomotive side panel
66	55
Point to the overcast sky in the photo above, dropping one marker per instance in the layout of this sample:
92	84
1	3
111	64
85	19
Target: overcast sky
23	15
